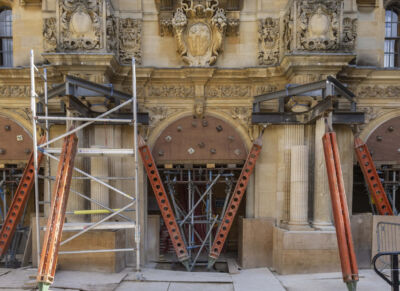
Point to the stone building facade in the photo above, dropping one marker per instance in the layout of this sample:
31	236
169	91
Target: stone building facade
208	59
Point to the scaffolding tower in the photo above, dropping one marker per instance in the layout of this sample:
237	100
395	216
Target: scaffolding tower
72	87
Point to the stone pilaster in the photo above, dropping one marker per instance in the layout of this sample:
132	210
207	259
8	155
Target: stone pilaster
322	204
100	193
298	215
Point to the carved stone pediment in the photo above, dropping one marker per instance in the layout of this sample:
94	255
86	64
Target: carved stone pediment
199	29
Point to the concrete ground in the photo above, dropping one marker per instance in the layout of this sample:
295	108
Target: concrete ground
162	280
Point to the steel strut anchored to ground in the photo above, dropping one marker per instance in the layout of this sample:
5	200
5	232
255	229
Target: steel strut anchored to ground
234	203
340	211
163	203
371	176
52	237
18	203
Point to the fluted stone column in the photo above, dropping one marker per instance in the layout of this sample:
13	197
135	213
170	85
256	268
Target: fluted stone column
322	204
298	215
293	135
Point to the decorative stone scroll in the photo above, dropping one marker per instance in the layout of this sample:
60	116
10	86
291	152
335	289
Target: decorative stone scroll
130	31
268	41
349	35
49	34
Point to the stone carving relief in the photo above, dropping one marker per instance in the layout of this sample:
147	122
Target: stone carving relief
92	25
80	24
171	91
319	24
349	33
268	41
49	34
263	89
375	91
243	114
227	91
199	29
17	91
130	31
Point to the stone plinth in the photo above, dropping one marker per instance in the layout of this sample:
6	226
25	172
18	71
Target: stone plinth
255	242
301	252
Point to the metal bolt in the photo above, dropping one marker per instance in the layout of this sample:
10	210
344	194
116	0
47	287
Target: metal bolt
168	138
7	127
160	153
231	138
27	151
191	151
237	152
179	128
194	123
213	151
201	145
379	138
20	138
204	123
2	151
219	128
391	128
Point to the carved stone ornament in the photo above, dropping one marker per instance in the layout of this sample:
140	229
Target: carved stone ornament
318	27
228	91
50	34
199	29
80	24
375	91
130	31
268	41
349	35
171	91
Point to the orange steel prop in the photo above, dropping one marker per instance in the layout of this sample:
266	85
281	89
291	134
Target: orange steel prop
371	176
19	201
234	203
55	223
340	211
163	203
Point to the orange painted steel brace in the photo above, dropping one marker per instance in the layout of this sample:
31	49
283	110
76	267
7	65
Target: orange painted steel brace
234	202
163	203
371	176
18	203
340	211
55	222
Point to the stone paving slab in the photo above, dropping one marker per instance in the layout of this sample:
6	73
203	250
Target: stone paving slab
143	286
17	279
201	287
256	279
180	276
369	281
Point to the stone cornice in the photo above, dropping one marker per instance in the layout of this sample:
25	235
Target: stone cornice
370	74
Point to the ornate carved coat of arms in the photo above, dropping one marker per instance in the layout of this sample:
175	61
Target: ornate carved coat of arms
199	28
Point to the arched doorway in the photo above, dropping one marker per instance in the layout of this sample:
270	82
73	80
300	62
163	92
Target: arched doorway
199	161
384	146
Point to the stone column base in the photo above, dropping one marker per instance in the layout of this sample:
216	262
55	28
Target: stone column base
301	252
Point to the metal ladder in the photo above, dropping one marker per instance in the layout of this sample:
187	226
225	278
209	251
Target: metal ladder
340	211
55	222
163	203
371	176
18	203
231	210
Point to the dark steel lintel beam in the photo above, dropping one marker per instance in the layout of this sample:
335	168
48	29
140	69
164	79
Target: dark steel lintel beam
76	104
287	118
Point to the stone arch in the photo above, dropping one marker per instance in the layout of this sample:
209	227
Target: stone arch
160	127
374	124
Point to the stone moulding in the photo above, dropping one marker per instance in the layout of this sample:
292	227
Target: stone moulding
375	91
228	91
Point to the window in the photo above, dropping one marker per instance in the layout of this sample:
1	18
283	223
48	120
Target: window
392	38
6	44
